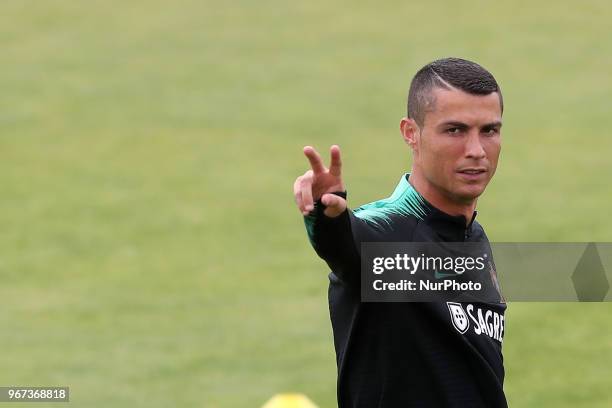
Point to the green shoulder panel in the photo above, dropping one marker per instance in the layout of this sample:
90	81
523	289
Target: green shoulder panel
405	200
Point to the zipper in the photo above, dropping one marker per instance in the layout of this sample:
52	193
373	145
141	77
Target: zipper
468	229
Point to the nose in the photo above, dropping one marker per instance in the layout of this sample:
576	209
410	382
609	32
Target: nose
473	147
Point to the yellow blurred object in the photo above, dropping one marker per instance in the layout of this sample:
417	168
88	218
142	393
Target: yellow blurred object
289	401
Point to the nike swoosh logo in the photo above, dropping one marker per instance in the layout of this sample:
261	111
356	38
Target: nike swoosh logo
439	275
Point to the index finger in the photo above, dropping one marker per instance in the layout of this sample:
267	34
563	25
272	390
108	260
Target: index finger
335	167
315	160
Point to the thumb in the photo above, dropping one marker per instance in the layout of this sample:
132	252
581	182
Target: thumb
334	205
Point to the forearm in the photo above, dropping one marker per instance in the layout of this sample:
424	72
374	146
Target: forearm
332	238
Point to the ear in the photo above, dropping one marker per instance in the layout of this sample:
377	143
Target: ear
410	132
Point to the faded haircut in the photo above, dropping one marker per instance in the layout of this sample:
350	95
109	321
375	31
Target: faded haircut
448	73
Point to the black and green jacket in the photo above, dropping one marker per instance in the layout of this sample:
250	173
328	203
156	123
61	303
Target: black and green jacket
406	354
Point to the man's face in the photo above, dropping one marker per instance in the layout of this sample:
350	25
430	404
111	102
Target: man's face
458	146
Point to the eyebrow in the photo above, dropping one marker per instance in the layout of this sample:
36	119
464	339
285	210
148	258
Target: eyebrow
461	125
495	124
454	123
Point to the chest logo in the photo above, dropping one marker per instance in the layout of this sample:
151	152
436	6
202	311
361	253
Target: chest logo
458	317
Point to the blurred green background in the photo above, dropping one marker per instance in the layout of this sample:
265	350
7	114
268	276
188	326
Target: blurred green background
151	254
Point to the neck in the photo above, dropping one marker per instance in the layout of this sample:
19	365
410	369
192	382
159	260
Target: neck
440	200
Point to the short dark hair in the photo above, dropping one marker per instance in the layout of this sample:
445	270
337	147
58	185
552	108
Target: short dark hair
446	73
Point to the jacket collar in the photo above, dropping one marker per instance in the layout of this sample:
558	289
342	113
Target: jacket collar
451	227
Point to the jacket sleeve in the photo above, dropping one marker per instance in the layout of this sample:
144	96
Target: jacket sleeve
337	240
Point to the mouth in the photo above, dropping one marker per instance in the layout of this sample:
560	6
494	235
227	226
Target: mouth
473	173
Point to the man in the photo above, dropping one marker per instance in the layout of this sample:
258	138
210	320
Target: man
415	354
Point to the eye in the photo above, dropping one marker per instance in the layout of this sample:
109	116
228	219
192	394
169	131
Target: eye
453	130
491	131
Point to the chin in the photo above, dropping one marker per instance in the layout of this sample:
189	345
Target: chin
470	193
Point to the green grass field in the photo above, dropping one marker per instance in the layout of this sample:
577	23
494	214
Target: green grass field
151	254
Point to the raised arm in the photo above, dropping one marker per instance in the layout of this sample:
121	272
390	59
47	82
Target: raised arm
321	197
